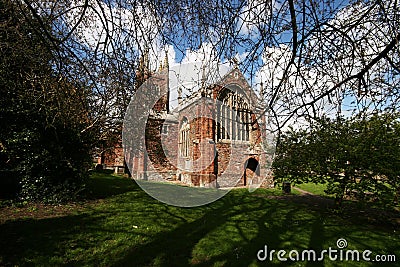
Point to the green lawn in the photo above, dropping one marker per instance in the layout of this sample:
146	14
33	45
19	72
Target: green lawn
123	226
316	189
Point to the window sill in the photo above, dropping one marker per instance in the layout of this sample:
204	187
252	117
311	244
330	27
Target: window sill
228	141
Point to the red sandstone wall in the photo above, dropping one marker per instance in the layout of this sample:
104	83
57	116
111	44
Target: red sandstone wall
202	128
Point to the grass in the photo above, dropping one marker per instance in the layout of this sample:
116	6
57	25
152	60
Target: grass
316	189
123	226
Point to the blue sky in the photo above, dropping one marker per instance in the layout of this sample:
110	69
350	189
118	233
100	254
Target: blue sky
183	53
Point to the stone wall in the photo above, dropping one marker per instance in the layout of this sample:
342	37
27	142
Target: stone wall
208	159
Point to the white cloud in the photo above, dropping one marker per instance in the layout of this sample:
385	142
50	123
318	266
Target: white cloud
367	38
197	67
275	61
253	15
294	91
108	28
206	53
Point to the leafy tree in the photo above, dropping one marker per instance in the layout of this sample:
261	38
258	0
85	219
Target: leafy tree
44	148
378	157
358	157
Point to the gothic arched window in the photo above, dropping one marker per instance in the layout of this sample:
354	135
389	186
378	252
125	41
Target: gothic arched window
233	117
184	138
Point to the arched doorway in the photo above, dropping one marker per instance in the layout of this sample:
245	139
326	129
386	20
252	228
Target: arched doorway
251	168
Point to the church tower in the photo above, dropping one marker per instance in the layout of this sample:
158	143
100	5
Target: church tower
143	70
159	85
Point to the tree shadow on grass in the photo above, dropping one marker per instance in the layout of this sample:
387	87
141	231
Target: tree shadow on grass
76	239
175	247
102	184
132	229
227	225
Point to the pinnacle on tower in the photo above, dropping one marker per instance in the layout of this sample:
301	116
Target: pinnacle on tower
179	95
203	82
262	92
166	64
146	59
235	62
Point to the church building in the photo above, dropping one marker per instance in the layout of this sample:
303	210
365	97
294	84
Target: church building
213	138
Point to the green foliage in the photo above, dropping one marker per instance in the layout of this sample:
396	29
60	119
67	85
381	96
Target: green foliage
43	150
359	158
